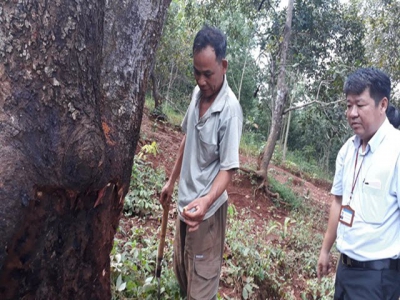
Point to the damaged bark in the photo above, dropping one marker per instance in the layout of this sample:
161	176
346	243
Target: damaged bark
73	76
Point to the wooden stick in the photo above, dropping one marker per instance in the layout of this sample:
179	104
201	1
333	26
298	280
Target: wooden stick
161	245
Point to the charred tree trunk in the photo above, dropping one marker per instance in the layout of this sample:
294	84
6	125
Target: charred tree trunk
280	101
72	80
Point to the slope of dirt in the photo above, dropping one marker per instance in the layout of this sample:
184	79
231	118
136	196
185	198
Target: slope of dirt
241	191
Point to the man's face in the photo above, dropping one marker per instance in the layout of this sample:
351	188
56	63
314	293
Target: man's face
208	72
363	115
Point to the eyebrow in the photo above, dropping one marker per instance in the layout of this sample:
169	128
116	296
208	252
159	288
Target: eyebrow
201	72
356	100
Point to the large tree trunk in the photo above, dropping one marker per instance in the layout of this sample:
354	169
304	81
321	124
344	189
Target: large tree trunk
280	101
72	81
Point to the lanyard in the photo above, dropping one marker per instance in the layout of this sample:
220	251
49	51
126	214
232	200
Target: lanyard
355	177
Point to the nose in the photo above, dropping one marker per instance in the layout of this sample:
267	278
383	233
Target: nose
352	111
201	80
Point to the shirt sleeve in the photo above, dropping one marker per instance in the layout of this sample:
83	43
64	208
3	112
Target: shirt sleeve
230	142
185	122
190	110
395	184
337	186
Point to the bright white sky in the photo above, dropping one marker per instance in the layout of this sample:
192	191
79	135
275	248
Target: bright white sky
285	2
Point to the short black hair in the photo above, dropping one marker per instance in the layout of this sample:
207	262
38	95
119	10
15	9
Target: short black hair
393	115
377	81
211	36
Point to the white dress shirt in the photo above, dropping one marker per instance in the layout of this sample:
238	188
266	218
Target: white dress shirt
375	233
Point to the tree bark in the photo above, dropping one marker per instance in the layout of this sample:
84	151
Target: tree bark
281	97
72	80
241	77
287	133
171	78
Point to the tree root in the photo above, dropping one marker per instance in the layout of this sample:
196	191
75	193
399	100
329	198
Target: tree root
263	187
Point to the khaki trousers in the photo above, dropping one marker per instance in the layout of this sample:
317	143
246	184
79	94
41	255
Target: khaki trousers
198	256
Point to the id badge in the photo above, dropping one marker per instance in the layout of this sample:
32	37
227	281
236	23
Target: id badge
346	215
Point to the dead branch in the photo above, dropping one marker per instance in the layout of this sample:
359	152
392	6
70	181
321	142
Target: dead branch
310	103
315	101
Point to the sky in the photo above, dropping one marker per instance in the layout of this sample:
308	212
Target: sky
285	2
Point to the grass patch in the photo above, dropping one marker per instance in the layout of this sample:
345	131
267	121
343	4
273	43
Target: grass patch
149	103
290	198
313	169
174	115
298	165
251	144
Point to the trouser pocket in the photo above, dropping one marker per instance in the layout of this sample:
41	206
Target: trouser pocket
205	279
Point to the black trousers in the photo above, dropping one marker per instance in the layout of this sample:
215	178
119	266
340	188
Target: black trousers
363	284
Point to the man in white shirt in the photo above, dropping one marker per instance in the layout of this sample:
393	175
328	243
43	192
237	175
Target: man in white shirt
365	214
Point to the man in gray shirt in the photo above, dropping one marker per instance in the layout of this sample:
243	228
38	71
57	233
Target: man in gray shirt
207	158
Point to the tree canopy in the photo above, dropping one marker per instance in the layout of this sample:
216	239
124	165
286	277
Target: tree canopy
329	40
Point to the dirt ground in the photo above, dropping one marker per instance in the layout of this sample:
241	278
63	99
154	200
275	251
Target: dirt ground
241	191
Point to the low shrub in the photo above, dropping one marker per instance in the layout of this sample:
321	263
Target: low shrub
146	183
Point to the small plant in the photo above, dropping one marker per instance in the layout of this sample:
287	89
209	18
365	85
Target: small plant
251	143
286	193
323	290
248	288
147	149
277	156
146	182
250	259
132	264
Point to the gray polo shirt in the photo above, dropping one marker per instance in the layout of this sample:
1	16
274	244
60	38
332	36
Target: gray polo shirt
212	144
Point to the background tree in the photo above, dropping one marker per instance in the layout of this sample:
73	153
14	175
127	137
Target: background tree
172	73
382	40
327	43
281	97
174	67
72	81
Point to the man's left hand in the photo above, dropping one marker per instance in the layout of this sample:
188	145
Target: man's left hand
194	213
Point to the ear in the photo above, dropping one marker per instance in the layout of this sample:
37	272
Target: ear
383	104
224	65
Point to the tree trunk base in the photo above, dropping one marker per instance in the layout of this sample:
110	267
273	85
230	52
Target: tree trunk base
263	187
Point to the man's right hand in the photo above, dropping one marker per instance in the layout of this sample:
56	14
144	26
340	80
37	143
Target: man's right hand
323	267
166	194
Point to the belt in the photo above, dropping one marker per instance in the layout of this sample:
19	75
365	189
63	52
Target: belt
380	264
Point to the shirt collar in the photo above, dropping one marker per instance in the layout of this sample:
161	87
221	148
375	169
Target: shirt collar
219	102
